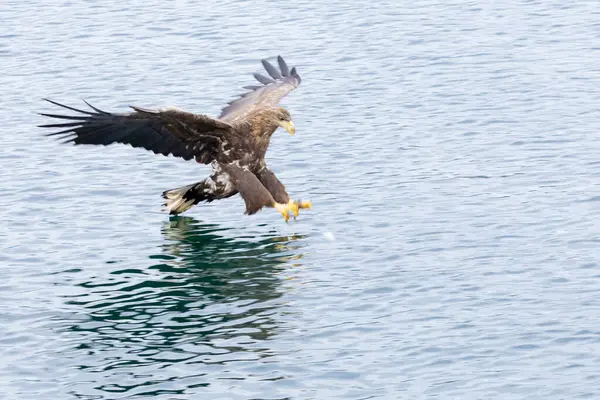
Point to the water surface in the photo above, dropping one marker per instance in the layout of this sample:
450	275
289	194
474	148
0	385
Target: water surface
451	153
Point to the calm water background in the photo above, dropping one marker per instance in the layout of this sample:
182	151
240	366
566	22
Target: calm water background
452	153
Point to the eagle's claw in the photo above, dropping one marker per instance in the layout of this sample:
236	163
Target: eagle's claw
303	203
283	209
292	207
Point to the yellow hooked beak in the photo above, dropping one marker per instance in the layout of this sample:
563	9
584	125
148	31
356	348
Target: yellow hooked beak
288	126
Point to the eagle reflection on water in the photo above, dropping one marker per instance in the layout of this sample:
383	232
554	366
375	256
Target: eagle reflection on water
209	299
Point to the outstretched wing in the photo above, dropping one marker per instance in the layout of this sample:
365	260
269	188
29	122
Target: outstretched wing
164	131
268	93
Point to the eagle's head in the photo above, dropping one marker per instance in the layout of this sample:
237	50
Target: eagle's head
266	121
284	120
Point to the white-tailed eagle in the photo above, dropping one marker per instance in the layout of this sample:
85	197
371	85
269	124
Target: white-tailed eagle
234	144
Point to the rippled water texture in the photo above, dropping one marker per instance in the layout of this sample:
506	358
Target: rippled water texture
451	150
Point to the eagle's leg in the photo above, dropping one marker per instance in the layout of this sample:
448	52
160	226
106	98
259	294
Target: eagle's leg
255	194
277	190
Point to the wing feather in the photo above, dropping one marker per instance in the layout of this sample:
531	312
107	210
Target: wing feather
294	73
163	131
263	79
273	89
271	70
285	70
68	108
95	109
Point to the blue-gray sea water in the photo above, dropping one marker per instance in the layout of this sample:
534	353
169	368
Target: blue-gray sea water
452	153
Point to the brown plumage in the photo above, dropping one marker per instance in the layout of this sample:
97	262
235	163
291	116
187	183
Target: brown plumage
235	144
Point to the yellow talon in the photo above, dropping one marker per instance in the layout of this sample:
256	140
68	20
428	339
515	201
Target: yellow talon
293	207
283	209
304	203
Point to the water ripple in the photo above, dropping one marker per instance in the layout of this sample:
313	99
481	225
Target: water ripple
450	150
210	300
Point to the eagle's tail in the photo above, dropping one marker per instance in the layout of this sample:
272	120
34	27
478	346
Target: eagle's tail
214	187
181	199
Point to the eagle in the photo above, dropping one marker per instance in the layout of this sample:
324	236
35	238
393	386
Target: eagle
234	144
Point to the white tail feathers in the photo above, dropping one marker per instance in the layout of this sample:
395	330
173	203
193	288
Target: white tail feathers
176	202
